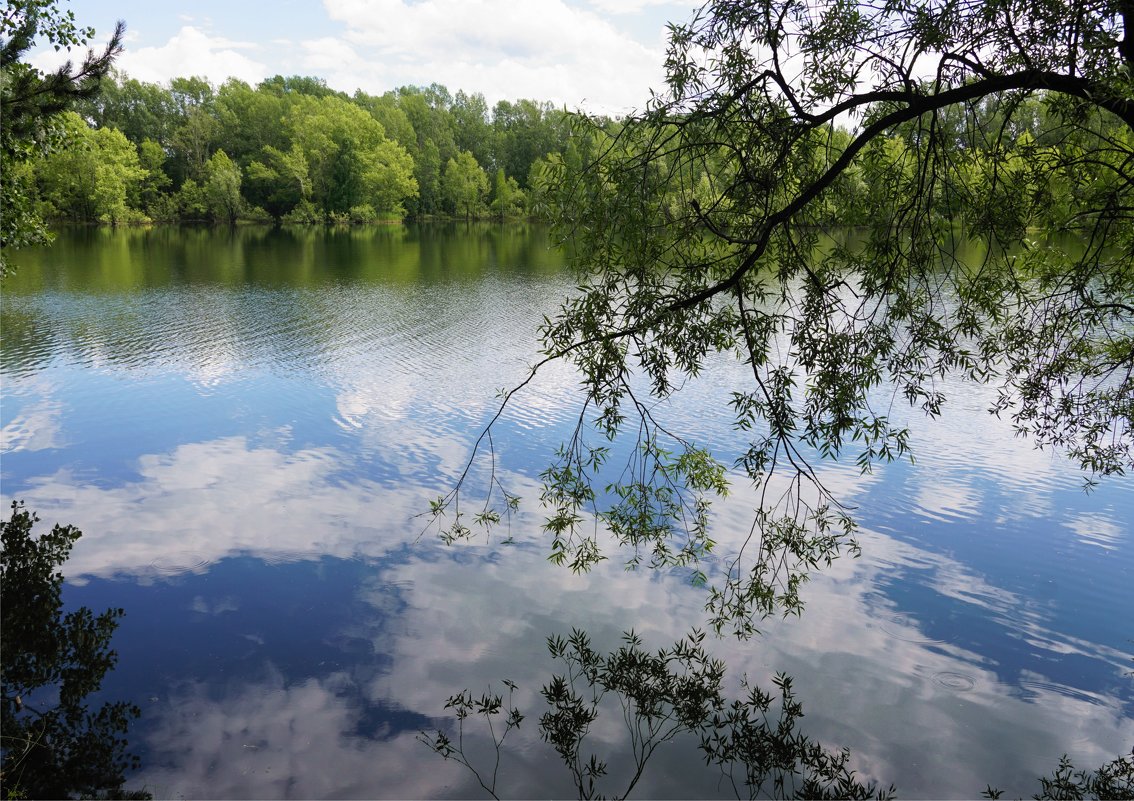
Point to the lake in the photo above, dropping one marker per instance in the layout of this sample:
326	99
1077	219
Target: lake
246	425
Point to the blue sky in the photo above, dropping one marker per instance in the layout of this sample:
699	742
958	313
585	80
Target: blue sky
601	55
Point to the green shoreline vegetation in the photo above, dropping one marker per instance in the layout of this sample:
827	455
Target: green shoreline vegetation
693	230
291	150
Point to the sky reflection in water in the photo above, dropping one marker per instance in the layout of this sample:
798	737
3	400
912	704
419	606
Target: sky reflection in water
245	424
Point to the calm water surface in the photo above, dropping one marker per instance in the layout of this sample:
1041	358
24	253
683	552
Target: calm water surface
244	425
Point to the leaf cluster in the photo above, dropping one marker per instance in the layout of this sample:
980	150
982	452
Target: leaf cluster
1113	780
984	153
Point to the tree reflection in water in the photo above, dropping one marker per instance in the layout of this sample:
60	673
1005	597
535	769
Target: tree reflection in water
676	691
52	745
664	695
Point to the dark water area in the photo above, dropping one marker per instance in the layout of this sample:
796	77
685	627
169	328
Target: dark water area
246	425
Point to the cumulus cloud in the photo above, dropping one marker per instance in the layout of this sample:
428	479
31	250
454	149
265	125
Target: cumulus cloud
604	57
634	6
544	49
192	51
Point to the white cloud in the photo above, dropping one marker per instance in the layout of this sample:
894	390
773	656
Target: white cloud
192	51
543	49
635	6
258	501
604	57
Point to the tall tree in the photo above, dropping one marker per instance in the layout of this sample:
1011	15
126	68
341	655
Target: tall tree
140	110
222	188
427	110
249	120
464	185
30	101
695	229
279	182
525	131
507	197
348	157
93	177
472	130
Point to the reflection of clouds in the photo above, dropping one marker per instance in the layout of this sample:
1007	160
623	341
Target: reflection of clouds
1095	529
209	372
1020	617
409	367
440	337
216	607
410	387
946	500
275	740
401	417
984	732
214	499
38	425
476	614
967	446
925	715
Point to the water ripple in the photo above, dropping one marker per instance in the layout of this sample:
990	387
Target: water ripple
177	563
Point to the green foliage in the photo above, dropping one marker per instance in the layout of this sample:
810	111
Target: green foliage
154	181
53	746
363	213
299	144
140	110
191	202
525	131
193	141
698	228
20	224
471	128
91	175
30	102
249	121
507	198
349	159
464	185
222	188
30	98
280	182
304	214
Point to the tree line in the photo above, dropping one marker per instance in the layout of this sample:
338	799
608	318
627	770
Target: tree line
290	149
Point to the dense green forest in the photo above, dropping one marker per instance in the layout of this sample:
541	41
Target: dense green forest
293	150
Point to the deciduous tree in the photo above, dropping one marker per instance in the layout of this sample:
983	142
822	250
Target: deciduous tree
222	188
30	101
464	185
696	228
